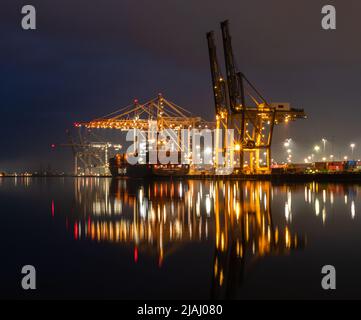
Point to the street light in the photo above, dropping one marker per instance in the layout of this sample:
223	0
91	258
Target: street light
316	148
324	143
287	143
352	145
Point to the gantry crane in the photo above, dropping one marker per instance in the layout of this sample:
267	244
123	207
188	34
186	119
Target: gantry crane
140	116
151	118
250	116
90	157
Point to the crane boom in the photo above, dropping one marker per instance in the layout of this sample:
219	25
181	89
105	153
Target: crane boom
219	85
234	78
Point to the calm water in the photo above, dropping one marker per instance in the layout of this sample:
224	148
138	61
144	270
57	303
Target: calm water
104	238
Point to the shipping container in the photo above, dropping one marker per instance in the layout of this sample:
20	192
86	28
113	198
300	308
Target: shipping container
336	166
321	166
350	165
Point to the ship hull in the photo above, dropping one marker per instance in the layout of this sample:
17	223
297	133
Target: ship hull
148	171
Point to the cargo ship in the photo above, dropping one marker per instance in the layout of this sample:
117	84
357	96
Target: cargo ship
120	167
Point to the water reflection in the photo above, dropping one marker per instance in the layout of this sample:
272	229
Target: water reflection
204	238
245	231
156	218
321	198
151	216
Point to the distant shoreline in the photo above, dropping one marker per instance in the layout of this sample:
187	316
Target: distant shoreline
346	177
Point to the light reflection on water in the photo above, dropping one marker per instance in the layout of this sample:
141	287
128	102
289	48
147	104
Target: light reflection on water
236	217
233	239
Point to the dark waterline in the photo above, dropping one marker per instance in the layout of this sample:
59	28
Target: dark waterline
126	239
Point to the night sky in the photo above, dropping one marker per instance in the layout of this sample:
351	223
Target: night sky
88	58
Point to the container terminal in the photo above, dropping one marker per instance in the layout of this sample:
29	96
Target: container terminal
238	105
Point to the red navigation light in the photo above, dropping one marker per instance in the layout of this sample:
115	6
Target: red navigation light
135	101
76	231
52	208
89	224
53	145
